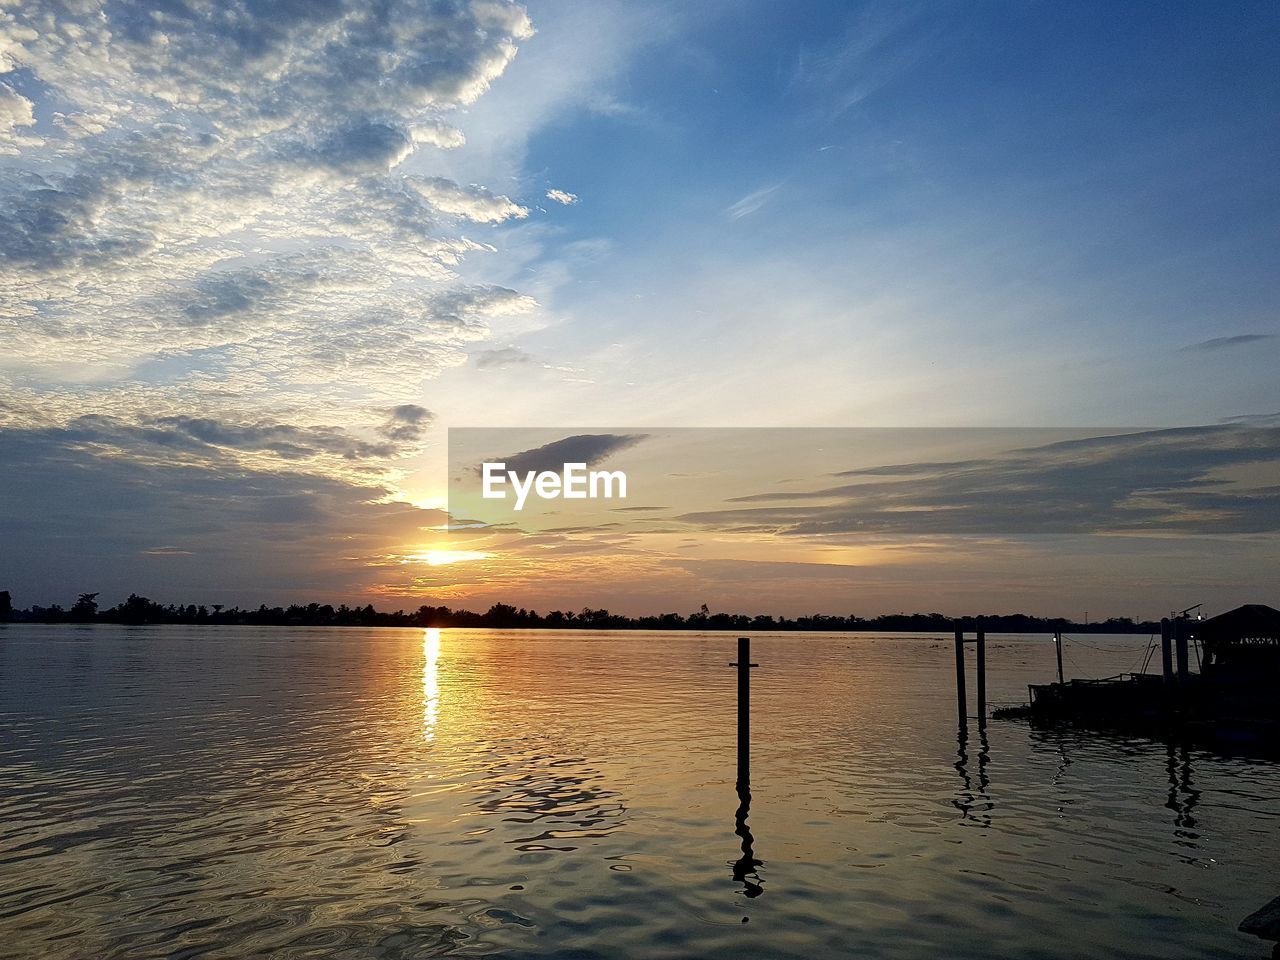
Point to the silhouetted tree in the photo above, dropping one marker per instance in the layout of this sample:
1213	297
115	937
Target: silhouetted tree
138	610
86	608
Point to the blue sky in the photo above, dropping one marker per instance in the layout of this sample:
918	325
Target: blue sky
281	249
1042	192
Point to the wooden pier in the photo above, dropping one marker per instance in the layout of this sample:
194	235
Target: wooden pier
962	704
1232	702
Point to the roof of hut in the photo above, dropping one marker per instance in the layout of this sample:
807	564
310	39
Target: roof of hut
1253	621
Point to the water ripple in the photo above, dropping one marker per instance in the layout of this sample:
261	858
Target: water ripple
229	793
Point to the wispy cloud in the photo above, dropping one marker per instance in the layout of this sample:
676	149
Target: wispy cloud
588	448
751	203
1154	481
1219	343
501	357
561	196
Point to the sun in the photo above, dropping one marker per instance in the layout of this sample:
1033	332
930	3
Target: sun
439	558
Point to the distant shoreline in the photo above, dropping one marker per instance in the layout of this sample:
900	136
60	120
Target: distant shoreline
702	631
139	611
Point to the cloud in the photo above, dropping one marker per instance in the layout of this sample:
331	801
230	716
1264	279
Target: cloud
560	196
587	448
91	516
501	357
231	208
472	203
264	68
1155	481
211	439
1219	343
16	112
284	440
406	423
871	50
750	203
363	147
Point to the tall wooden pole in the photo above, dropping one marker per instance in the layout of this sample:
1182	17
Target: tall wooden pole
1166	651
961	702
982	678
1057	645
744	712
1180	649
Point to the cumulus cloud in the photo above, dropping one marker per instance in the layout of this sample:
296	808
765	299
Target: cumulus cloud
406	423
16	111
560	196
231	208
363	147
472	203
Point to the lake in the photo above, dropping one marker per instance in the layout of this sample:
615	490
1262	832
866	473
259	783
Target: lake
230	792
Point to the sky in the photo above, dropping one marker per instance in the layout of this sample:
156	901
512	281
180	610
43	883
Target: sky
259	259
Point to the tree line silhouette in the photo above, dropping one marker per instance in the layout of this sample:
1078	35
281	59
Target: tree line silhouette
140	610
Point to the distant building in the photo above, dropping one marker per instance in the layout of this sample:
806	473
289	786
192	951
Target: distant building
1231	702
1246	639
1241	665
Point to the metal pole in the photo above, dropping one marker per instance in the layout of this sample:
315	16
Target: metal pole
982	678
1057	645
961	703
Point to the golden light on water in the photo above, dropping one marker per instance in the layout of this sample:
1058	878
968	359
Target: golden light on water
430	682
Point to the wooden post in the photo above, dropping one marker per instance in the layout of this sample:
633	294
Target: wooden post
744	666
1180	648
982	678
1166	651
961	702
1057	645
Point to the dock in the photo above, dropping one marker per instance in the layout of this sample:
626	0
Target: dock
1232	700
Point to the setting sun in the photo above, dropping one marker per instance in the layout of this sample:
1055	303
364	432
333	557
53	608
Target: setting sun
439	558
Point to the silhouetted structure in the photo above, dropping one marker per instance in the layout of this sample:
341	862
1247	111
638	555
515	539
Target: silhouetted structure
1265	923
1244	639
746	868
1232	701
6	606
980	641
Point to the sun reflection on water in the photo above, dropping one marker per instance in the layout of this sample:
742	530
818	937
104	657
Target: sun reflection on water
430	682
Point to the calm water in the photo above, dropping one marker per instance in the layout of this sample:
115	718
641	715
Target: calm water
234	792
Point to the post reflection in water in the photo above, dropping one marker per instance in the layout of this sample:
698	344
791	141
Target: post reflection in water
974	805
744	868
1183	795
430	682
